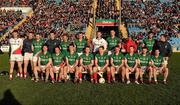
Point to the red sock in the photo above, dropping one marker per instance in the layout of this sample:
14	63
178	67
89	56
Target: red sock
59	78
109	76
80	75
52	79
91	76
95	76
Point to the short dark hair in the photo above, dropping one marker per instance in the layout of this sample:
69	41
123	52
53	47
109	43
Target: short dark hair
150	32
43	46
65	34
71	44
164	35
116	46
131	46
52	31
101	47
144	47
15	31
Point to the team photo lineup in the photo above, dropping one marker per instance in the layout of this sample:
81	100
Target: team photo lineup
59	60
89	52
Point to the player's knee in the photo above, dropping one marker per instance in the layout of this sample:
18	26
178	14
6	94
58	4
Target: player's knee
94	69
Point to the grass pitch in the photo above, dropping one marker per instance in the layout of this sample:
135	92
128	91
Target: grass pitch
26	92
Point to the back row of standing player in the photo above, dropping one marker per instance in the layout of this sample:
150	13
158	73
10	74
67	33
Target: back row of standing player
107	56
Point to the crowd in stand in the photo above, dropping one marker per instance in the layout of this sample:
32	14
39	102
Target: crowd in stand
73	16
106	9
14	2
152	15
67	15
9	18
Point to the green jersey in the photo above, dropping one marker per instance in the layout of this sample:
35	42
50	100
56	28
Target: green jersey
112	42
131	60
37	46
87	58
149	44
44	58
117	59
71	58
64	46
80	45
144	60
157	61
57	59
102	59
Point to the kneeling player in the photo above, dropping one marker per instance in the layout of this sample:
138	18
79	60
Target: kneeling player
101	64
86	62
44	64
131	64
71	63
143	62
117	64
58	65
159	67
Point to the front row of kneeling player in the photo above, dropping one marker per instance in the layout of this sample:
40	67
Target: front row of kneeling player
64	63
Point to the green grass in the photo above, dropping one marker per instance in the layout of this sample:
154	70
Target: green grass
26	92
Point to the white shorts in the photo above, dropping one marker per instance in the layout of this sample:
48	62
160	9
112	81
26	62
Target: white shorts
85	69
165	60
71	66
35	58
159	70
56	69
98	68
16	57
144	68
28	56
117	69
42	68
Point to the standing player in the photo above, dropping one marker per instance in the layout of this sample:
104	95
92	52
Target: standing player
37	44
71	63
143	64
131	64
15	54
117	64
149	42
80	44
86	62
112	42
64	45
101	64
58	64
99	41
159	67
44	64
52	42
28	53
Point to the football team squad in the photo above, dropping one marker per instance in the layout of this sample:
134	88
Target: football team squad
108	60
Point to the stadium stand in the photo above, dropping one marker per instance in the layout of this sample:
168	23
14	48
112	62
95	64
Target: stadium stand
9	19
158	16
